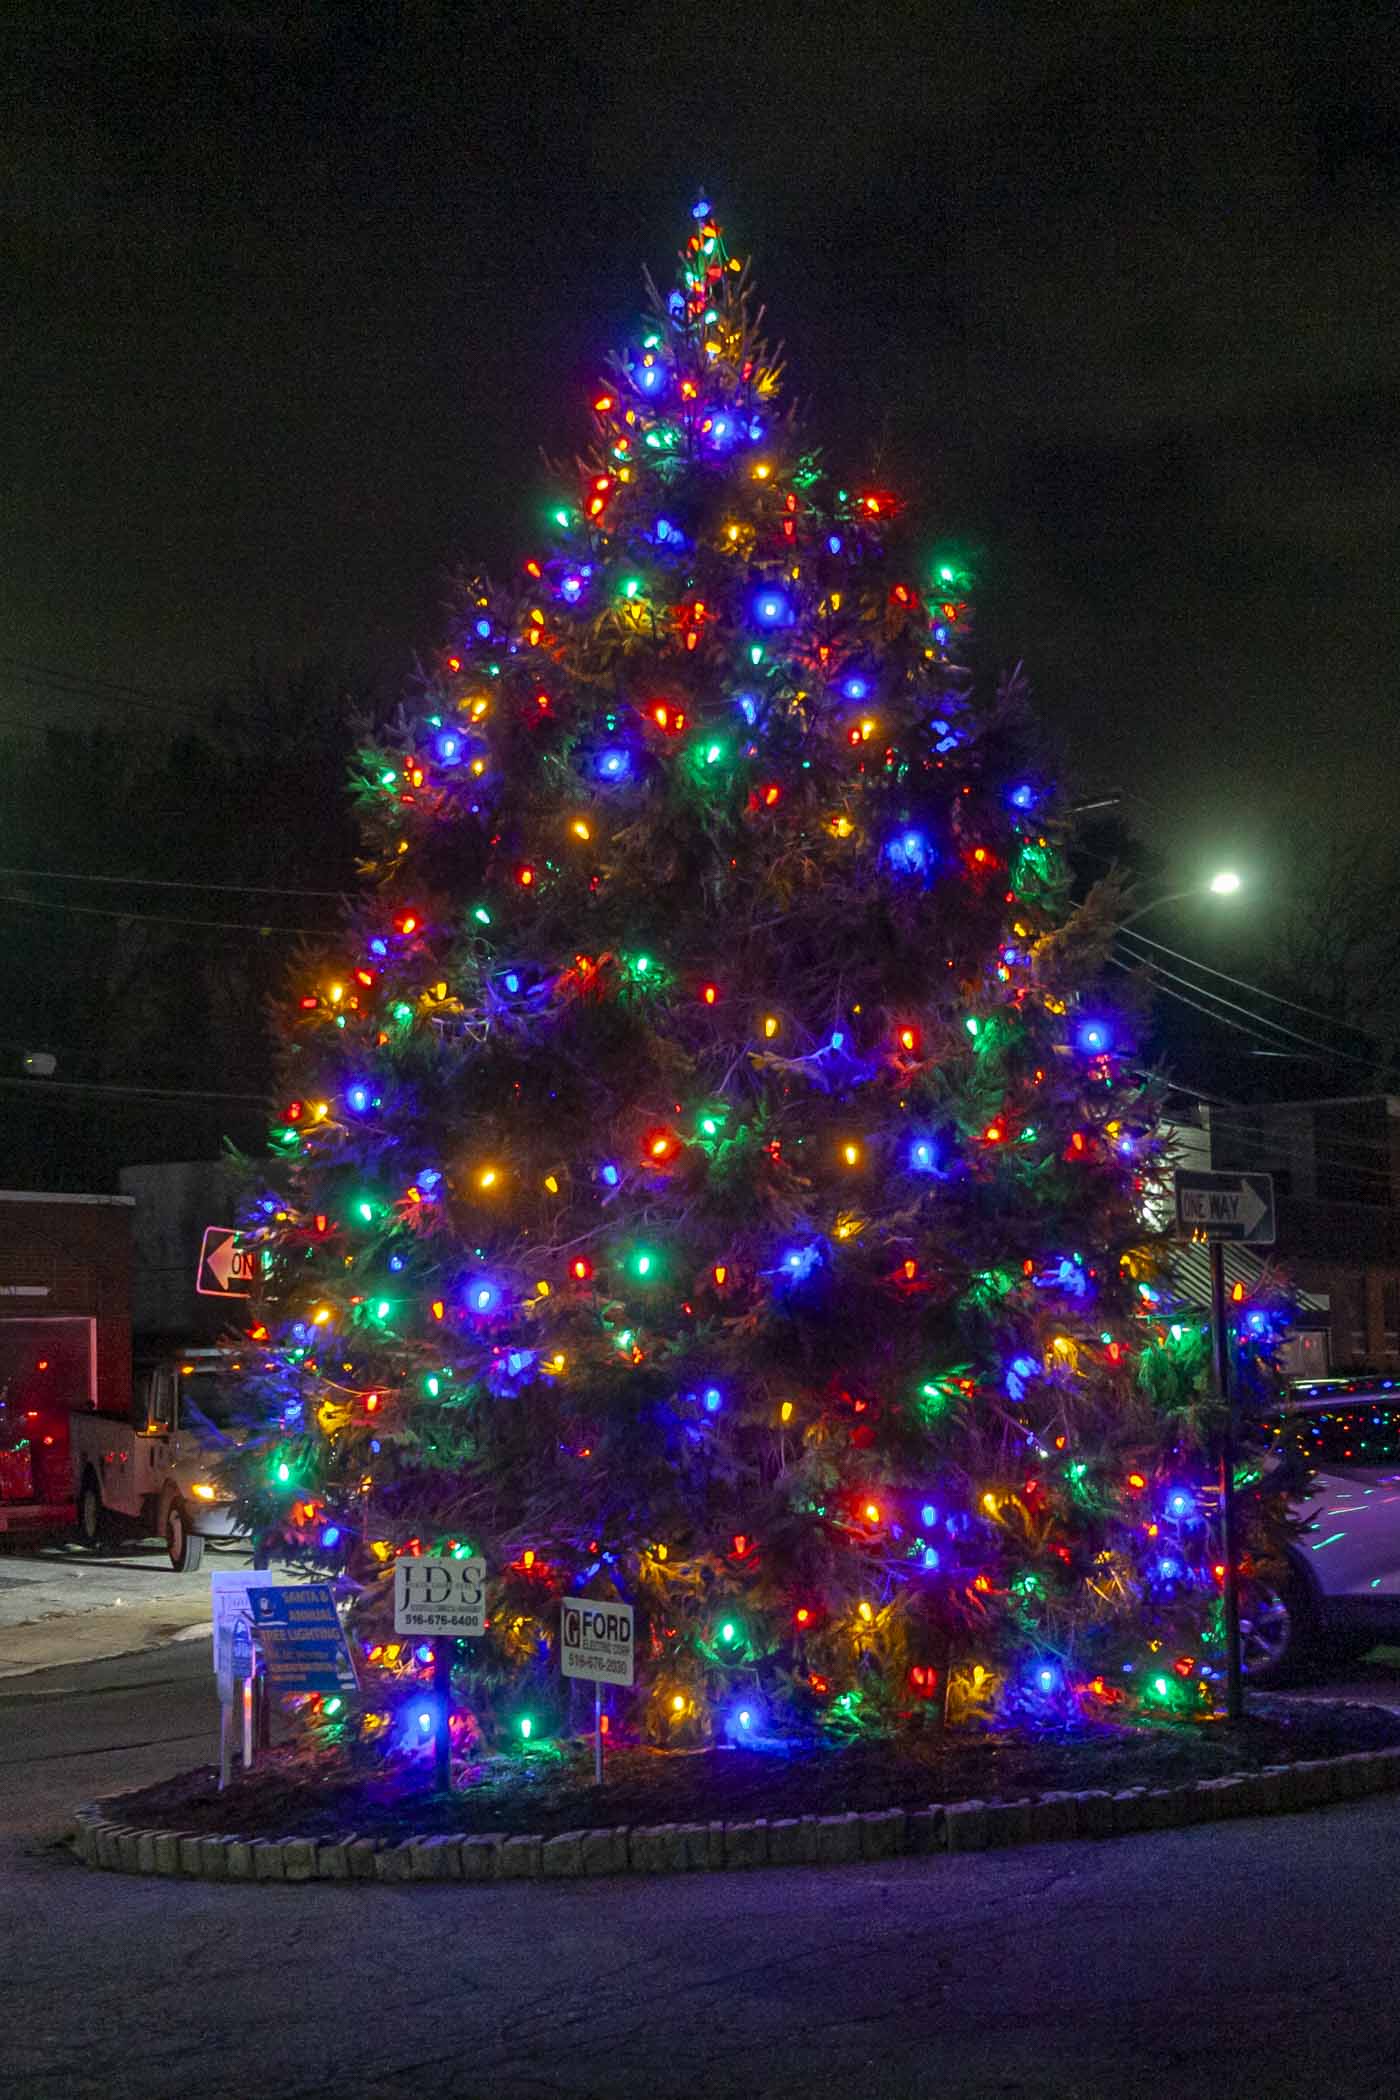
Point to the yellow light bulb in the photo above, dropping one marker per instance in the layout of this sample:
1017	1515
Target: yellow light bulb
488	1177
770	1026
320	1110
541	1289
762	471
552	1184
581	830
866	1614
335	993
785	1411
677	1703
851	1155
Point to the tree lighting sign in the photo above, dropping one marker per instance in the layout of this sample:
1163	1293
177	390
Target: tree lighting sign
596	1640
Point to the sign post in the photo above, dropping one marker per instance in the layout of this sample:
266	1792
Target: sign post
445	1599
1220	1207
595	1640
232	1613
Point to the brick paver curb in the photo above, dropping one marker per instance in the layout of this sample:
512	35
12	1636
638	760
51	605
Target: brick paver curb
103	1841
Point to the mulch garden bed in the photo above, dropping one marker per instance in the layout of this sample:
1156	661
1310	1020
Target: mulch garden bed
551	1789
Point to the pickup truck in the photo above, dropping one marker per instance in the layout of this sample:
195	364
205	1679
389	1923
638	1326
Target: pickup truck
154	1473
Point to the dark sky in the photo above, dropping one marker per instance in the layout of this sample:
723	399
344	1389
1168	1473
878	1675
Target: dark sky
295	294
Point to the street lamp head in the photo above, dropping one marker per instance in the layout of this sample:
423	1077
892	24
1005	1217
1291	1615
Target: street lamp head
1225	883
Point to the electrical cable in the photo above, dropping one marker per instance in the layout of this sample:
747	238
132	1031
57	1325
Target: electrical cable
96	911
42	692
1243	984
1261	1021
165	882
130	1093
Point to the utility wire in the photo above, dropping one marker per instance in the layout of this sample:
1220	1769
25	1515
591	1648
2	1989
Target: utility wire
1261	1021
120	688
130	1093
165	882
1243	985
1212	1014
97	911
43	691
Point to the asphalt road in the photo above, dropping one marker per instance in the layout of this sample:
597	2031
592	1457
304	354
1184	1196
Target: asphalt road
1251	1959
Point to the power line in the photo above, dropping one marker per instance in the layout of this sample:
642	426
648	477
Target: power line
124	688
164	882
43	690
96	911
130	1093
1262	1021
1210	1012
1243	985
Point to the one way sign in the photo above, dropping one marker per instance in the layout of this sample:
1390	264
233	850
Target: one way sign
1226	1206
227	1269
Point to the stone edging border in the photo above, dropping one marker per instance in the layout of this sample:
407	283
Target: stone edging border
102	1841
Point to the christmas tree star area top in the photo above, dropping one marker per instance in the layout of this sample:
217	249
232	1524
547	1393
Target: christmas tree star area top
710	1172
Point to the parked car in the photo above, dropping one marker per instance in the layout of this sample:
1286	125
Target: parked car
1341	1592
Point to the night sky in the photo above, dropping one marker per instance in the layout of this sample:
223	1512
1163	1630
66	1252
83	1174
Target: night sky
296	296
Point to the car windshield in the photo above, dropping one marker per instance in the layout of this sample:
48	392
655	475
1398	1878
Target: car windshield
1355	1431
213	1400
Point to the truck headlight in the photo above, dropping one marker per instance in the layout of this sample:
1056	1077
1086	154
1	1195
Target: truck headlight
202	1492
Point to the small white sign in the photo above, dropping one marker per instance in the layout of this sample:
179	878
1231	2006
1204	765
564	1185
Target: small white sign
232	1604
446	1597
595	1640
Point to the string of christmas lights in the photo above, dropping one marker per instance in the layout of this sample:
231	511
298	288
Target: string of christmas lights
712	1172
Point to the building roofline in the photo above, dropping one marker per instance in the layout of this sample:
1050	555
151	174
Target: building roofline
58	1196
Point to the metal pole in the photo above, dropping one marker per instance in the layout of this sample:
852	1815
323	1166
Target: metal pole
1220	1342
225	1742
442	1734
597	1733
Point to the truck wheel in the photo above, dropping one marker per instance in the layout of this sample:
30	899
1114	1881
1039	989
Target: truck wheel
92	1517
185	1547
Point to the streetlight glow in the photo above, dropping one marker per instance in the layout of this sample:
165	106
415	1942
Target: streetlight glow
1225	883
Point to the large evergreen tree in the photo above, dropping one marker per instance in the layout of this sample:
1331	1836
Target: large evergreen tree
711	1170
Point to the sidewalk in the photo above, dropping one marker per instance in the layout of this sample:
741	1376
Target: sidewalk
60	1604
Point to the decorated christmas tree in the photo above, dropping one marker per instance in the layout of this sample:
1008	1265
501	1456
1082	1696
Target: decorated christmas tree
711	1173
